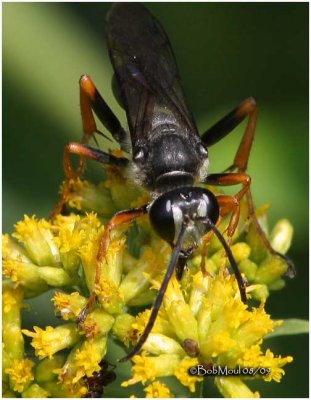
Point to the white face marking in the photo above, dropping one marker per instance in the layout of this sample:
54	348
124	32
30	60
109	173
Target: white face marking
168	206
178	218
202	209
205	198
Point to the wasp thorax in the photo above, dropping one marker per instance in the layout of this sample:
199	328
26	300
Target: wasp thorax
191	205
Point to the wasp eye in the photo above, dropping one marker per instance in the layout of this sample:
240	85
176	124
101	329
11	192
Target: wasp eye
191	204
162	218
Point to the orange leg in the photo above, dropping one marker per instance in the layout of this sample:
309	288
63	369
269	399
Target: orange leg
227	204
118	219
90	102
247	108
84	151
231	203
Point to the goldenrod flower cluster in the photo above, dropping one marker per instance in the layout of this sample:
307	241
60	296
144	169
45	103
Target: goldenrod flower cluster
202	320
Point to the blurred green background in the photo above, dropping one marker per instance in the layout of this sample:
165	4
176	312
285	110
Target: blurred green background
225	52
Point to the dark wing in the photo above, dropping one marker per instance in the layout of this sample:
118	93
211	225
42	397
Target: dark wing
146	70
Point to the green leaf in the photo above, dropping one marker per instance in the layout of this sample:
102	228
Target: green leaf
290	326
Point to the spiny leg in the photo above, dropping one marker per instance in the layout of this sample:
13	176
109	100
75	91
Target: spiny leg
247	108
90	102
227	205
118	219
230	203
84	151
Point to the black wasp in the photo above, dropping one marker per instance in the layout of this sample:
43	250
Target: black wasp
169	157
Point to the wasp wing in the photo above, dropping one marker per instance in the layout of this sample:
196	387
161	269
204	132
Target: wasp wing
146	71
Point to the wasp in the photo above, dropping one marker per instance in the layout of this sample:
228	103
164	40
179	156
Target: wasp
168	156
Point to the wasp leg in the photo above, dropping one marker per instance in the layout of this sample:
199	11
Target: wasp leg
84	151
118	219
227	205
230	204
222	128
226	179
91	100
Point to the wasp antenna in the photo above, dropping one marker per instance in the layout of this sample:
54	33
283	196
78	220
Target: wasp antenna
234	265
159	298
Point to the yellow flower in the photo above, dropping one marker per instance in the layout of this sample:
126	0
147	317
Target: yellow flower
201	321
69	305
38	240
97	322
70	236
12	250
9	302
12	302
152	263
157	390
24	274
20	374
182	374
89	197
82	362
109	296
149	368
47	342
254	357
224	330
88	357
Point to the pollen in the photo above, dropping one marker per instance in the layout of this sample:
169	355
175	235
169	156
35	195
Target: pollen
47	342
70	240
149	368
254	357
20	374
87	360
182	373
157	390
29	227
219	343
140	323
109	296
11	269
37	237
69	305
161	325
8	302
